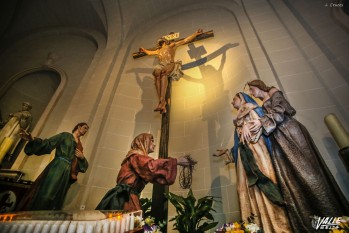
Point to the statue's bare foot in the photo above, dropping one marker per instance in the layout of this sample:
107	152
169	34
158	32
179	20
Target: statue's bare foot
163	110
163	106
158	108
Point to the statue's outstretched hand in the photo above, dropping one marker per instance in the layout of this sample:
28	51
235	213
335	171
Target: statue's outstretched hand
186	161
26	135
225	152
182	161
199	31
220	152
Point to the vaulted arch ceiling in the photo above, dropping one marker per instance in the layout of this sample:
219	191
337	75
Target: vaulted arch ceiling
21	17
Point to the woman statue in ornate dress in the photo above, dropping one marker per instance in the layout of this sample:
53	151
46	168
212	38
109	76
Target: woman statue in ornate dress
306	183
256	180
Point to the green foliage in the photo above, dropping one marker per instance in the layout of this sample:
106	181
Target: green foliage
192	216
146	206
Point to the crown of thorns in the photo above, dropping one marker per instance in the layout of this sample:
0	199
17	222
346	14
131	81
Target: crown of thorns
186	173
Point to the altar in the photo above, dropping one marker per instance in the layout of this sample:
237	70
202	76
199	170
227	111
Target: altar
85	221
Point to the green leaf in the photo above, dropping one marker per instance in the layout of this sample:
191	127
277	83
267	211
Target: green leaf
146	206
207	226
176	200
190	214
191	197
209	216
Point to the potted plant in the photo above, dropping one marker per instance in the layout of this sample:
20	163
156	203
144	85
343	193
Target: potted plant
192	216
150	224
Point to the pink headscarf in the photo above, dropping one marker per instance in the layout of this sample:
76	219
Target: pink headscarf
140	145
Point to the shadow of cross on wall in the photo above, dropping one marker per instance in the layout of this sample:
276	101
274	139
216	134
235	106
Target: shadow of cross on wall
196	53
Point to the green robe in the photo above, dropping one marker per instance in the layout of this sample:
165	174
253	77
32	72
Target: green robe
50	188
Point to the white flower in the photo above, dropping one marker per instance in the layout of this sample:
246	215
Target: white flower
252	227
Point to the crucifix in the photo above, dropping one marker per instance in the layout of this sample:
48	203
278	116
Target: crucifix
167	70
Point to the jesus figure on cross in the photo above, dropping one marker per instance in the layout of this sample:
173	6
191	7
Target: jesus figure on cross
167	67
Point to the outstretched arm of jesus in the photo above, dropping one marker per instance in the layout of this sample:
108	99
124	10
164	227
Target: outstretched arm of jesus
189	38
148	52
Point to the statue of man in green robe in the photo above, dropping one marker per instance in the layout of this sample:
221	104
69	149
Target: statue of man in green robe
50	188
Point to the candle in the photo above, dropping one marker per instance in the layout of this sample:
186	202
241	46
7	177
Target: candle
30	227
14	228
72	227
64	227
112	226
99	226
123	225
5	226
46	228
127	222
105	226
38	226
80	228
89	227
118	225
338	132
132	222
53	228
21	228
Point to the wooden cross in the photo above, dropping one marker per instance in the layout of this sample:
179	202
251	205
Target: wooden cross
159	209
204	35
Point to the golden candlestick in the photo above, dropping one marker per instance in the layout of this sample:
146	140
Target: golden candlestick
5	146
337	130
341	137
